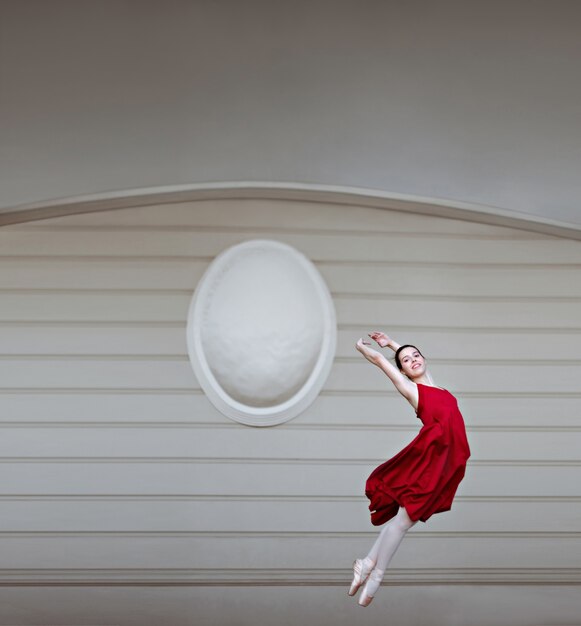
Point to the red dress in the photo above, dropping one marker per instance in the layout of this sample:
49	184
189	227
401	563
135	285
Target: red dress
424	476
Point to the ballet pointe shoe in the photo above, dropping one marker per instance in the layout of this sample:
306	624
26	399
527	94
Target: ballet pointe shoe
371	586
361	570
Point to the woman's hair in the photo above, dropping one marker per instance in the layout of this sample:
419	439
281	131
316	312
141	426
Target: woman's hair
407	345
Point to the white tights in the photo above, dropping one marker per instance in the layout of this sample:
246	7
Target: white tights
387	543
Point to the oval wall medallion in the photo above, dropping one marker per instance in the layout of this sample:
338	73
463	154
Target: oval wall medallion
261	332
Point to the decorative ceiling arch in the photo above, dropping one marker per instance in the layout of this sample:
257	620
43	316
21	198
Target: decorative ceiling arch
291	191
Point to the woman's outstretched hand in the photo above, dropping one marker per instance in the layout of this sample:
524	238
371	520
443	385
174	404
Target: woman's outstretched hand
362	345
380	338
365	349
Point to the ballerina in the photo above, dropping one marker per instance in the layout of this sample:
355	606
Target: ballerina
421	479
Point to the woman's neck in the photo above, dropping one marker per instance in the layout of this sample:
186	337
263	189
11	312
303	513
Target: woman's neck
425	379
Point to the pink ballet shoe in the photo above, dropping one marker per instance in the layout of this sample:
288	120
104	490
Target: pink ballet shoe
361	570
371	586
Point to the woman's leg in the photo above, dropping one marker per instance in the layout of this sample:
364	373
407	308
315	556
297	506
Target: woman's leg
390	537
374	552
383	549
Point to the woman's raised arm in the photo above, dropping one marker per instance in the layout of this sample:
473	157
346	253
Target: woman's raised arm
404	385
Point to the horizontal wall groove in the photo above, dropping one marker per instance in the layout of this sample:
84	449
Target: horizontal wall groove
98	291
92	324
427	297
106	258
540	362
449	265
327	393
210	534
65	324
358	329
292	461
161	391
343	295
274	230
282	577
472	330
318	498
412	427
96	357
353	360
460	394
109	258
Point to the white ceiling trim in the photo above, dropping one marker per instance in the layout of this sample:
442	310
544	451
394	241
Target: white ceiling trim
292	191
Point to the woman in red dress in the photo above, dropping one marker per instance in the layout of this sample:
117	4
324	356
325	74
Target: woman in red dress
423	477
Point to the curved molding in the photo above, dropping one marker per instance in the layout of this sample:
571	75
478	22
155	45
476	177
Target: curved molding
292	191
261	332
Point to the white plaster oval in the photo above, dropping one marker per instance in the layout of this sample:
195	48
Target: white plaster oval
261	332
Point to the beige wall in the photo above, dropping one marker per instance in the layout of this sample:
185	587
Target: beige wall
118	470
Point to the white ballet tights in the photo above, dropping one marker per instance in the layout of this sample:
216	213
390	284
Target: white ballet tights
385	546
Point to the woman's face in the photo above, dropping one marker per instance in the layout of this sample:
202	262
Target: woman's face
412	362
